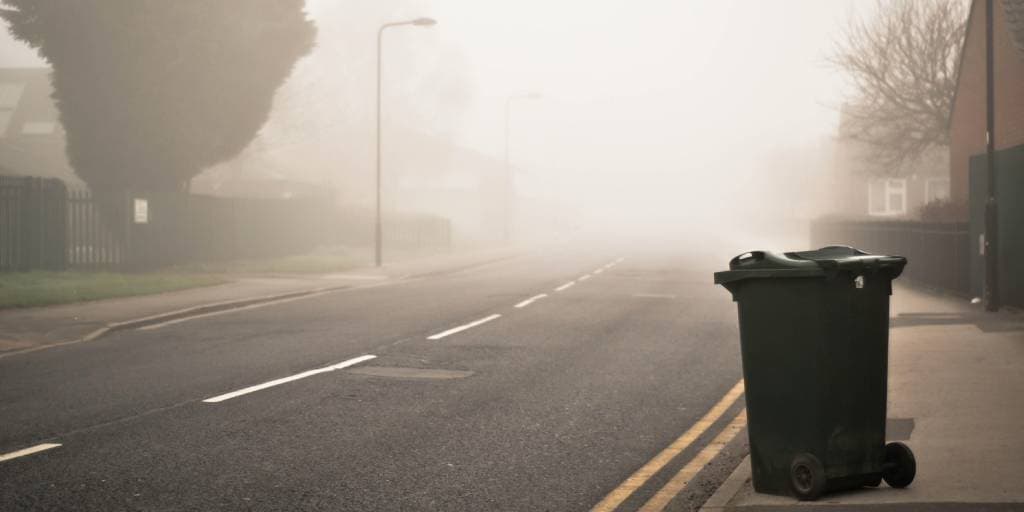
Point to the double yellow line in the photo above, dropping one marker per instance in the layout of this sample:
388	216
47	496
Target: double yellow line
681	478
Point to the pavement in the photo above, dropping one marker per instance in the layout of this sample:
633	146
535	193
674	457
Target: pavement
29	329
955	388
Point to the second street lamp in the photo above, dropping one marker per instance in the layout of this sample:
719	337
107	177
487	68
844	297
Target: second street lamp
419	22
508	159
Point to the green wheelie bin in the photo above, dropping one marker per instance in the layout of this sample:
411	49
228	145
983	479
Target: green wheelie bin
814	338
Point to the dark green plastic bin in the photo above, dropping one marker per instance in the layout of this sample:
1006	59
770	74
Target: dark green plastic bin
814	336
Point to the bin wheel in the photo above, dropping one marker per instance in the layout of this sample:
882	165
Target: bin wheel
899	466
807	476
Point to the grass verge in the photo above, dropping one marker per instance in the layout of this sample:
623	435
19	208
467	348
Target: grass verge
27	289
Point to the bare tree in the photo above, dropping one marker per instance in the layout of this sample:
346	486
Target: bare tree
903	65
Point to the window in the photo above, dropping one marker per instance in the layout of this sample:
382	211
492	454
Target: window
887	197
896	195
936	189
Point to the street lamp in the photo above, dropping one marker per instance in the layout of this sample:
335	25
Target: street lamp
419	22
508	160
991	289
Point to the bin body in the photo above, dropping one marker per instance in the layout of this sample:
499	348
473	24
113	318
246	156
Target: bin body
814	343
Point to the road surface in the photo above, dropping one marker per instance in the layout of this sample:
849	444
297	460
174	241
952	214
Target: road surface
542	382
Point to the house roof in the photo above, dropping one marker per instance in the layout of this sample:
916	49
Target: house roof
27	93
31	138
1014	24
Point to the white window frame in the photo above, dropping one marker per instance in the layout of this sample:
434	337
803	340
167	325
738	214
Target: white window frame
890	187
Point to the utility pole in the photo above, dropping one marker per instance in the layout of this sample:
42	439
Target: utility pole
377	240
992	299
377	256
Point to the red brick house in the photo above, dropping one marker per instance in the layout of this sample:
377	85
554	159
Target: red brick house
949	254
967	122
968	160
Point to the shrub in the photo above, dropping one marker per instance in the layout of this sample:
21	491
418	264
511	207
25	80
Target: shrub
942	210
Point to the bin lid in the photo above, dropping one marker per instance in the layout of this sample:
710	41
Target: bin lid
823	262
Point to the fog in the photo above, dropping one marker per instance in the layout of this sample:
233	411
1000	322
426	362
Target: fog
656	120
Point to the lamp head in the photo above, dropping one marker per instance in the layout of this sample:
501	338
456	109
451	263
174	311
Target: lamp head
424	22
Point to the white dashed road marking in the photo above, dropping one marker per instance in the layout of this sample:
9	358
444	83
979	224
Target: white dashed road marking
28	451
461	328
565	286
303	375
531	300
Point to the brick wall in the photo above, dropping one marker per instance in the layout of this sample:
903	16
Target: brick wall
967	125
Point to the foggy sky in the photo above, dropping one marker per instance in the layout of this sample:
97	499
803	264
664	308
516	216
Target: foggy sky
657	110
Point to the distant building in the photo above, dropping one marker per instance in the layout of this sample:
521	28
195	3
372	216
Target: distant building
32	139
237	179
866	190
968	119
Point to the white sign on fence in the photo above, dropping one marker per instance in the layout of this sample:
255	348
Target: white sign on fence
141	211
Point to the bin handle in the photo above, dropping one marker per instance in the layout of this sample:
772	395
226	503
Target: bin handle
746	259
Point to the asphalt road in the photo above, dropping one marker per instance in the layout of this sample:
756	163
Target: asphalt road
550	406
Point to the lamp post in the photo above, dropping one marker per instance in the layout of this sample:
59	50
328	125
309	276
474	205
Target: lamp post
508	160
992	302
419	22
